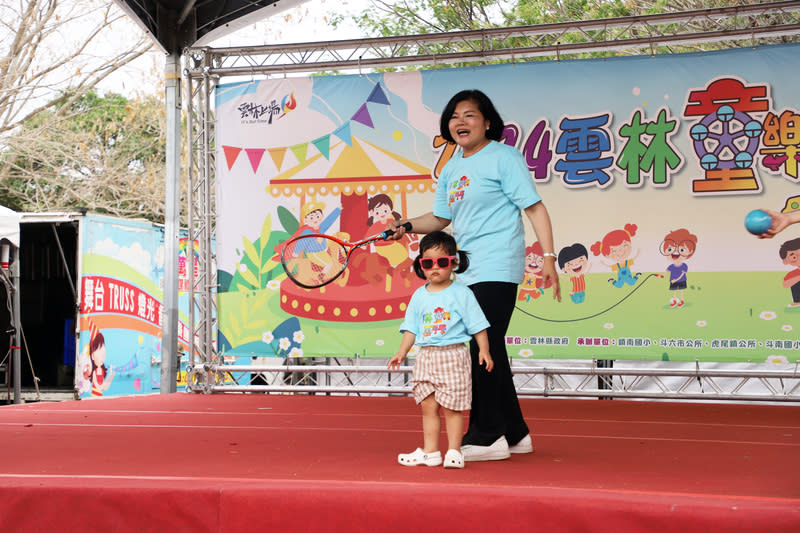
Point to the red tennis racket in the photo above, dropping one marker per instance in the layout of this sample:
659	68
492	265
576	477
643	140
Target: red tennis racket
313	261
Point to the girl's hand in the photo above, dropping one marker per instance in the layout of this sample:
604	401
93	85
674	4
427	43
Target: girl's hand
484	358
394	362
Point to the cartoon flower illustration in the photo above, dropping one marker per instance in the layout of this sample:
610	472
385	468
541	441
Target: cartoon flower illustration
267	337
701	323
608	325
284	343
296	352
768	315
298	337
273	284
786	327
242	267
379	342
526	352
777	359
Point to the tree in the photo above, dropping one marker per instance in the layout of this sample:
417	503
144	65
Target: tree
102	153
52	53
386	18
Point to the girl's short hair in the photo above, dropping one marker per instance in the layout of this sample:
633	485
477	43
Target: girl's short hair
485	106
445	241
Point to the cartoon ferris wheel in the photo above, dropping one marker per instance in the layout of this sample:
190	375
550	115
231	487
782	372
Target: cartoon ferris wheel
726	139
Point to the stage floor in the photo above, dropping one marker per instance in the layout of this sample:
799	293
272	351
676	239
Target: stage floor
242	462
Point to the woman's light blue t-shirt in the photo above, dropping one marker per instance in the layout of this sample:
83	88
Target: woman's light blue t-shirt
450	316
483	195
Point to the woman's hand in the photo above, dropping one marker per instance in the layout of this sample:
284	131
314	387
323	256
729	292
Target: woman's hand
397	229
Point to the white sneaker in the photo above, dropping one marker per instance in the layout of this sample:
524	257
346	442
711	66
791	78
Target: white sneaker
523	446
419	457
496	451
453	459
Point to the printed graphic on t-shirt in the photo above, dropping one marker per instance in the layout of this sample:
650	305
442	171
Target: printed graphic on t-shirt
456	190
435	323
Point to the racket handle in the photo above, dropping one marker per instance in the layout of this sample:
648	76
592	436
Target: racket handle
389	233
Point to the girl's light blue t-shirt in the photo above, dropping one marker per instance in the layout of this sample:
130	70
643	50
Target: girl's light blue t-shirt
483	195
450	316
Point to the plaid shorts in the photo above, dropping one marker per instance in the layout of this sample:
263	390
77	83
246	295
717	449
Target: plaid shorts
445	371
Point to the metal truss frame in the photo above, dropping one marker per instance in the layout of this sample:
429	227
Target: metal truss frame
754	24
204	67
588	381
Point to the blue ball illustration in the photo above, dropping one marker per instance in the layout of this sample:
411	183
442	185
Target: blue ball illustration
757	221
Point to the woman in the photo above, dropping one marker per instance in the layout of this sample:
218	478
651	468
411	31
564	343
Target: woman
483	191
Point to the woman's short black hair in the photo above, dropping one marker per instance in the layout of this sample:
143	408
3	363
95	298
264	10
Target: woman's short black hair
445	241
485	106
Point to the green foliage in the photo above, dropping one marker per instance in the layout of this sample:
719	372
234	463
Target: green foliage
385	19
260	262
104	153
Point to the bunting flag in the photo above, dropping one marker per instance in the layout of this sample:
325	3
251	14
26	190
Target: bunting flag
255	155
377	96
277	155
231	153
343	132
323	144
362	116
299	151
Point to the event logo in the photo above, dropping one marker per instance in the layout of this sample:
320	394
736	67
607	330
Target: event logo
255	113
726	136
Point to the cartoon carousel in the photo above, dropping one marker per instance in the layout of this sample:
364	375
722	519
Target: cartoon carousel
380	280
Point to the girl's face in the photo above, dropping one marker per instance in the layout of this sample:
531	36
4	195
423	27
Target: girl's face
620	252
468	127
381	213
533	262
99	356
437	273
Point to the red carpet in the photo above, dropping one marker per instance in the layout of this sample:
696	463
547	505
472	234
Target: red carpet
234	463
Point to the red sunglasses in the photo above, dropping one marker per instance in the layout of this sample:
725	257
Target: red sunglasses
442	262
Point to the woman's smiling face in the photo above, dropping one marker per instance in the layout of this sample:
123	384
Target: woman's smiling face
468	127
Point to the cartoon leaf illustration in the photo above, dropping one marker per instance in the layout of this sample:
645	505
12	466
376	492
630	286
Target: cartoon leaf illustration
288	221
234	323
266	229
250	251
249	277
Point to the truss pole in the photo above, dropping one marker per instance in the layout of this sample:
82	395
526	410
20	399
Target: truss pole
169	332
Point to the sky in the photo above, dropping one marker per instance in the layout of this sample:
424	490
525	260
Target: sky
308	22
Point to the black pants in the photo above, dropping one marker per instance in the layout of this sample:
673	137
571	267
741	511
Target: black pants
495	407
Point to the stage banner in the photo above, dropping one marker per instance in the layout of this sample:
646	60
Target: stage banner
647	165
121	307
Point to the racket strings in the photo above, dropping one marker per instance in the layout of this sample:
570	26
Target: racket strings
313	261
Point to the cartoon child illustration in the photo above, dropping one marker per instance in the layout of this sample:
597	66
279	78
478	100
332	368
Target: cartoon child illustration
678	245
322	256
574	262
381	212
616	245
100	375
790	254
532	285
311	214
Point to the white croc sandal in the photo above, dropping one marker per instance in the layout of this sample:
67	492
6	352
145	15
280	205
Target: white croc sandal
453	459
418	457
